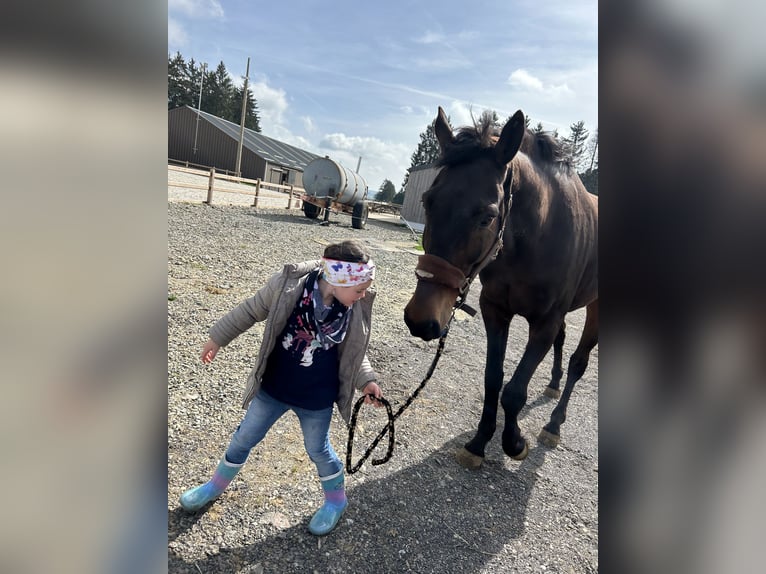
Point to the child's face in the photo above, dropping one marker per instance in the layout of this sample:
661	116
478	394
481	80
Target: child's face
350	295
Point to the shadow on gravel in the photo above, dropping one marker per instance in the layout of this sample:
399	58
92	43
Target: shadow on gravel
433	516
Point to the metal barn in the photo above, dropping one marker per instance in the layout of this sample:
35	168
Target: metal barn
421	178
217	140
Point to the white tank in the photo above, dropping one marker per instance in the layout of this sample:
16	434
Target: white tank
324	177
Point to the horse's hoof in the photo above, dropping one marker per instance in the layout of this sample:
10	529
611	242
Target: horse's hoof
552	393
523	454
468	459
548	439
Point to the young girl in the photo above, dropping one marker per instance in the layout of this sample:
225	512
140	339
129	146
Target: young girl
314	354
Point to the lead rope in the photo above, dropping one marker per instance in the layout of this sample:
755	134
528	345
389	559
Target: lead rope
389	428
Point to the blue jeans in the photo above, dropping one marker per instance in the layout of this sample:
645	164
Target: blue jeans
264	411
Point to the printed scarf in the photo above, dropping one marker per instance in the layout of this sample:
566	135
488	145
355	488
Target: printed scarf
329	324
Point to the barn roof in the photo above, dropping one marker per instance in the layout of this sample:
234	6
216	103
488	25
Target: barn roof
271	150
422	167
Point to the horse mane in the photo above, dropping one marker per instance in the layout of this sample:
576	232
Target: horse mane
474	142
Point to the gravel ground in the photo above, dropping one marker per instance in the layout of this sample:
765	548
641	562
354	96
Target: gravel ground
421	511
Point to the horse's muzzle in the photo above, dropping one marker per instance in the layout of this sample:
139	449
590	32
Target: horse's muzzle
429	310
426	330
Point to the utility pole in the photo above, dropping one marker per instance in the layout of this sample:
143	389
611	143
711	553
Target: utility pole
359	163
242	123
199	105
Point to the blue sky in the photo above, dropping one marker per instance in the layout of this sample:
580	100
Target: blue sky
350	79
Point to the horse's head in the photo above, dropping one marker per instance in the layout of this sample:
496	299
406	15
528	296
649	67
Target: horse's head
464	212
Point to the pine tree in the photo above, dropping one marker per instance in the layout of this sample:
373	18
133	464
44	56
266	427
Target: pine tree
220	96
178	82
387	191
252	119
538	129
221	92
427	152
575	143
590	176
234	113
592	151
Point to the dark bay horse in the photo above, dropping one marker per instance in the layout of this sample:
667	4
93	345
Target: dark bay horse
511	209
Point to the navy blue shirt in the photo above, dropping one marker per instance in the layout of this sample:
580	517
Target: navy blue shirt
300	372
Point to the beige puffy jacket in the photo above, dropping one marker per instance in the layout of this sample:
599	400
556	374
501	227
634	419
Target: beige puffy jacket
274	304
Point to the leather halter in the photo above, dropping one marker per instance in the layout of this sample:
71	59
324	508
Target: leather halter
435	269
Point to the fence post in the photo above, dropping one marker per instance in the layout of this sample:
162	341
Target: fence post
257	191
290	201
210	184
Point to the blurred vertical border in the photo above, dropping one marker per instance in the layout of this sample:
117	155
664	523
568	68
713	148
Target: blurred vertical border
682	394
82	296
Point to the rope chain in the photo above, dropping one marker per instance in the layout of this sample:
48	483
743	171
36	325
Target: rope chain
389	428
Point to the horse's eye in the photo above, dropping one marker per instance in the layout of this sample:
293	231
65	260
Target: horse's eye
486	221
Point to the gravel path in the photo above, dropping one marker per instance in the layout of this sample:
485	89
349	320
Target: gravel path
420	512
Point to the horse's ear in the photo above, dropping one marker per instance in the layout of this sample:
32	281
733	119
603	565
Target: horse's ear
510	138
443	130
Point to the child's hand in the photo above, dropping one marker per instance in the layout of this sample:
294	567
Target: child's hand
372	388
209	351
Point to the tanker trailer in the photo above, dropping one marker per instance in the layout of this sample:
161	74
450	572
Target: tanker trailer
330	186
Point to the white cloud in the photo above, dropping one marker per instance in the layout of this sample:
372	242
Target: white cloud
555	90
177	36
524	80
308	124
430	38
197	8
272	105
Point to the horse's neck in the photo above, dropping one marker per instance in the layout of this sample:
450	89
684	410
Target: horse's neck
531	203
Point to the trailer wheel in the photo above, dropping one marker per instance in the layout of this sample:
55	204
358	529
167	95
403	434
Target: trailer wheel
310	210
359	215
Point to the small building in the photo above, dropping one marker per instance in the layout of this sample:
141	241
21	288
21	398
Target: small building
206	140
421	178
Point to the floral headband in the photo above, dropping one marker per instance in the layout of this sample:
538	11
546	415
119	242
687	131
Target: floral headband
347	274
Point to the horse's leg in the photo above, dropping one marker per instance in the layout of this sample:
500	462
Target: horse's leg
551	432
472	455
514	397
552	390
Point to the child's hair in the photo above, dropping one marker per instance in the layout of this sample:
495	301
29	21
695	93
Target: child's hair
349	250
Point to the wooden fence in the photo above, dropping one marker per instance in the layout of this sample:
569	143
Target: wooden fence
257	185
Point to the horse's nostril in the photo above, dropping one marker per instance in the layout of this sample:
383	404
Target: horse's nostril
432	331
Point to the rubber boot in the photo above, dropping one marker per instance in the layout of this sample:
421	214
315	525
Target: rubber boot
195	498
327	517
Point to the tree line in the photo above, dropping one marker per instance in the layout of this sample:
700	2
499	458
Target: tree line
219	96
580	147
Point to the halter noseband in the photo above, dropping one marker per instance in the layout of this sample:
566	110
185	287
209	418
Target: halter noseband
435	269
